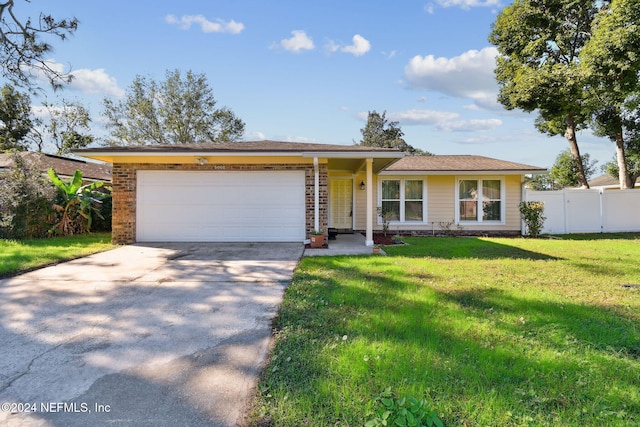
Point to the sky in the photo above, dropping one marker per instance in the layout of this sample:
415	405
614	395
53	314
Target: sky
310	71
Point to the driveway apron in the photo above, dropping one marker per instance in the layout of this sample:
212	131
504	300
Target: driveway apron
170	334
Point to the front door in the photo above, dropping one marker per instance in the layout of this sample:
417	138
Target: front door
341	204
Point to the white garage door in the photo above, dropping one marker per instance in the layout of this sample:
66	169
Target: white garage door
220	206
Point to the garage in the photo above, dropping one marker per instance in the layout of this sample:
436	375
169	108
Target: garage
220	206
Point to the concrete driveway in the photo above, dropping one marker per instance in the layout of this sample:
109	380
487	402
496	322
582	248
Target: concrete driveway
143	335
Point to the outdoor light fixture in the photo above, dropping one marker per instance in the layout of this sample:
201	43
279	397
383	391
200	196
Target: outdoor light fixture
362	186
202	160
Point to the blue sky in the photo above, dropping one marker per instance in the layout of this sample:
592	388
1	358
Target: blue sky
310	71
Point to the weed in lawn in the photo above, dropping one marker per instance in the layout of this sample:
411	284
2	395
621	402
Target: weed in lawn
403	411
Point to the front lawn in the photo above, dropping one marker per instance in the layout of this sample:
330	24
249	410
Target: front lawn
22	255
493	332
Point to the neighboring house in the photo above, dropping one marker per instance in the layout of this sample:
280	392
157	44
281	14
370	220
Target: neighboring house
65	167
607	182
279	191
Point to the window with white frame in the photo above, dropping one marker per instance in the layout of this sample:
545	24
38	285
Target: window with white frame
480	200
403	200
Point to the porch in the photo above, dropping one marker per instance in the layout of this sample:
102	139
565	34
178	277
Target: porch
344	244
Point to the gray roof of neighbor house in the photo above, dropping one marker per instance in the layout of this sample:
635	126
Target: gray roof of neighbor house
459	163
607	181
64	166
237	147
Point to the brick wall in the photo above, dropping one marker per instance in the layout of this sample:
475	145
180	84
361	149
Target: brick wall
124	192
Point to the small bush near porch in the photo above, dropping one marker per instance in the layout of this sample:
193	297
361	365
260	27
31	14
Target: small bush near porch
499	332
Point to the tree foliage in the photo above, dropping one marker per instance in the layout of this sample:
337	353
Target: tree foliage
379	132
15	119
68	125
632	163
611	61
24	52
178	110
564	173
538	68
25	201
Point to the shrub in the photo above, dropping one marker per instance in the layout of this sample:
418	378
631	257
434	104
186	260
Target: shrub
25	201
101	221
532	215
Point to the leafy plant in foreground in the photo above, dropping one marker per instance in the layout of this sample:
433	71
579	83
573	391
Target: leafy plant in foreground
79	203
403	411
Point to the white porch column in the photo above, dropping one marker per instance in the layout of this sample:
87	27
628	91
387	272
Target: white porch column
369	227
316	195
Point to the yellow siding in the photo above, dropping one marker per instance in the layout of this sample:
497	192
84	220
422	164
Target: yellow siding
361	202
441	205
441	200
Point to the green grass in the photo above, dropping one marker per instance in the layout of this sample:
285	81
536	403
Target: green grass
23	255
493	332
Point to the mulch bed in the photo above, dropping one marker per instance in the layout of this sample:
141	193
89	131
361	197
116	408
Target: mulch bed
381	239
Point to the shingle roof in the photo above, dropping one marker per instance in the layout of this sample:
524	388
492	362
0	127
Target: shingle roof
231	147
64	166
459	163
607	181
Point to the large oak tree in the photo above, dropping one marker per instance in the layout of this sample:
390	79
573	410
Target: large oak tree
538	67
611	62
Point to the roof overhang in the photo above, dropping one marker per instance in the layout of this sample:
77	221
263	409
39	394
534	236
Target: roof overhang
341	159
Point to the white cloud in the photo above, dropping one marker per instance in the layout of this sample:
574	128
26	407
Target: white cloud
330	46
422	117
464	4
40	111
95	81
85	80
219	26
254	136
298	42
475	125
359	47
469	75
441	120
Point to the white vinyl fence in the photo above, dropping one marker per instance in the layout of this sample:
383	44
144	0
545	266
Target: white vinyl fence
588	211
